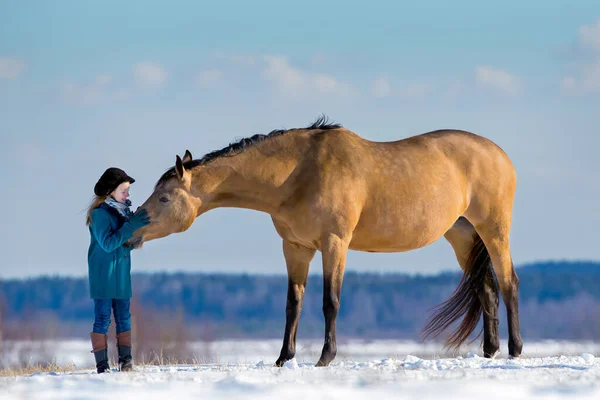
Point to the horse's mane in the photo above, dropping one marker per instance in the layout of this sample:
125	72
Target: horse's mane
322	123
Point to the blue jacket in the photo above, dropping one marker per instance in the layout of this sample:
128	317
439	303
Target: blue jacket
109	262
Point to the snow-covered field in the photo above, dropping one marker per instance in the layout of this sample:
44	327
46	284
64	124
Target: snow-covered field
378	369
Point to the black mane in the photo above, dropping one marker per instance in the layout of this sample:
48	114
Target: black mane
321	123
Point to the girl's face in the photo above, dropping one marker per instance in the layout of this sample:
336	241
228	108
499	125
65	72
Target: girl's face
121	193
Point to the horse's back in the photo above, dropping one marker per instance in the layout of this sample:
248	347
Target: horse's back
468	153
405	194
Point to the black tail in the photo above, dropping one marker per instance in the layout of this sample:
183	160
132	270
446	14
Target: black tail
465	299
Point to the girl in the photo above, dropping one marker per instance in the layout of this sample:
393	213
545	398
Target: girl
111	224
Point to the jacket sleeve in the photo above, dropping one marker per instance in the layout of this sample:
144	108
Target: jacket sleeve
108	239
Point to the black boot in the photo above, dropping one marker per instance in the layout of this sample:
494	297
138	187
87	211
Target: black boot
125	359
124	347
102	361
100	350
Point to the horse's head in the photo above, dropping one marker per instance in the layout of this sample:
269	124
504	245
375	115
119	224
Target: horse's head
172	207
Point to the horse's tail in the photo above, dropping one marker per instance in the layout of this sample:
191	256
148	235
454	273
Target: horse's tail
465	299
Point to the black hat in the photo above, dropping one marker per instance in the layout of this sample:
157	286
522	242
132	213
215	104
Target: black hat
110	180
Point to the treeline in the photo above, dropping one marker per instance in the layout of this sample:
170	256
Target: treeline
559	300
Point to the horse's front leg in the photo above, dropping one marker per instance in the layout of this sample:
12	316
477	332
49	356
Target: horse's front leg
297	259
334	249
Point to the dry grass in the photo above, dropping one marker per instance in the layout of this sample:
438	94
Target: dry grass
157	361
25	366
40	368
160	337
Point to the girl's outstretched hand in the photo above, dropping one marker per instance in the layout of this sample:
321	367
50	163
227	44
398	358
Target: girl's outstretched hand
139	219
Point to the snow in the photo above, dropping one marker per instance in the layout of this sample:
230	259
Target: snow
360	372
77	352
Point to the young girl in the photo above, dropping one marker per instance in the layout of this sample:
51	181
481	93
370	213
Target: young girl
111	224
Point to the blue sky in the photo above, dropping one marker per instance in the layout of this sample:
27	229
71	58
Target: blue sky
88	85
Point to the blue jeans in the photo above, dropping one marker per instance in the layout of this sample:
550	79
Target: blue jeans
102	309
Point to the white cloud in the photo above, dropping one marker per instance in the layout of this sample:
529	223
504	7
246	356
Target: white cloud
82	95
589	36
103	80
209	77
381	87
11	68
294	82
287	78
586	77
591	77
568	84
91	93
325	83
148	73
497	79
587	80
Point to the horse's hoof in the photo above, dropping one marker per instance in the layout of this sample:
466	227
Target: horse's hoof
492	355
280	362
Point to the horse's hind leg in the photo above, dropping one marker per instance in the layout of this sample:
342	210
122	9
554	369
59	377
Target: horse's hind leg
494	232
468	247
297	259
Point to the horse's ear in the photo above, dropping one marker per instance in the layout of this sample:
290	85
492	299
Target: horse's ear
179	167
187	157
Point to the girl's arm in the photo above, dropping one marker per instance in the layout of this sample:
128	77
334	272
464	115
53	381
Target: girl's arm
108	239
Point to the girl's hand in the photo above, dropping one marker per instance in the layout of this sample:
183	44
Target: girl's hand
139	219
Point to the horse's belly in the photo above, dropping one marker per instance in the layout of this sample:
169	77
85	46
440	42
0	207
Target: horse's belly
402	229
382	247
390	243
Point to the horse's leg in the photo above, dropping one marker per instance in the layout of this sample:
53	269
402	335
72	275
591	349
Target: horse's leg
495	234
334	249
464	240
297	259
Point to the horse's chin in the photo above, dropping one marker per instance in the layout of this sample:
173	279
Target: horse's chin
135	243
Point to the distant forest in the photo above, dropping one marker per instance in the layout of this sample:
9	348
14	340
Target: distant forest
559	300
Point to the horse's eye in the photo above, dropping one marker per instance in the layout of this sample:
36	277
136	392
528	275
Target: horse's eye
164	200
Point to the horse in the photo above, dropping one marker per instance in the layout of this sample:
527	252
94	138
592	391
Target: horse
326	188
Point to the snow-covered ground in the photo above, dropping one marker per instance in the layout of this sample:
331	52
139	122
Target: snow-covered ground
378	369
77	352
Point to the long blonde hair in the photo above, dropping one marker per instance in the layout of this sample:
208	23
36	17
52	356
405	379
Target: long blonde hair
96	201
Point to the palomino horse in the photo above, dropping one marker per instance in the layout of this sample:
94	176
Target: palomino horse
328	189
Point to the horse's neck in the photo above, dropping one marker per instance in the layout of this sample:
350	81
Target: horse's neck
256	179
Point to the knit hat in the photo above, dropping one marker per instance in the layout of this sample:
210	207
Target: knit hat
110	180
